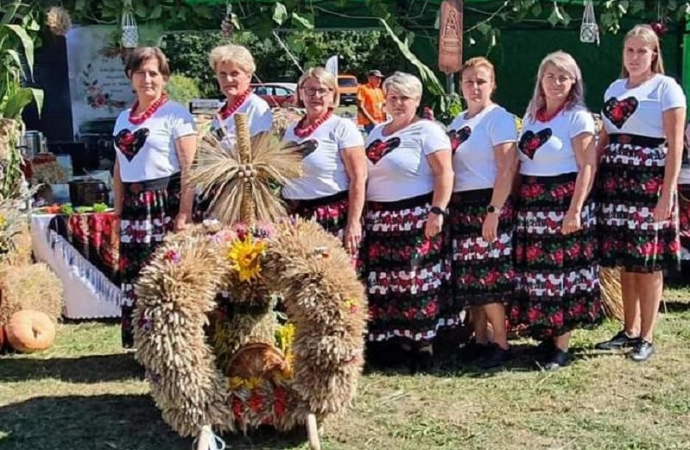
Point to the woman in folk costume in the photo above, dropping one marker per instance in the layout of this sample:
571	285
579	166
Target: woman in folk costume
406	249
155	142
642	143
331	190
234	68
483	141
555	243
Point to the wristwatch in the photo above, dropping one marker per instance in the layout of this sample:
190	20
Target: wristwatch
438	210
491	209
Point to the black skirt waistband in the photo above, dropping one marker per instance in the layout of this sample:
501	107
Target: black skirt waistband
316	202
156	184
401	204
634	139
562	178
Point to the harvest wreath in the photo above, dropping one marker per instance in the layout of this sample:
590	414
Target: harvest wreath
206	329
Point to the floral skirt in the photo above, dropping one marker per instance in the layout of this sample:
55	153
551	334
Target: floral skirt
148	212
329	212
684	213
630	180
407	275
482	271
557	275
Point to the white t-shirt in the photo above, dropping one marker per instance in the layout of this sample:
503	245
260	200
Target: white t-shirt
398	167
639	110
546	149
147	151
258	112
473	141
324	169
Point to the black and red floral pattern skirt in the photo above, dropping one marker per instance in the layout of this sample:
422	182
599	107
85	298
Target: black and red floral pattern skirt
557	275
629	185
407	275
329	212
684	215
482	271
148	212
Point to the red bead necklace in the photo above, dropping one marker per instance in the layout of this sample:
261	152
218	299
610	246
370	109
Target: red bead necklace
543	117
138	119
227	111
302	132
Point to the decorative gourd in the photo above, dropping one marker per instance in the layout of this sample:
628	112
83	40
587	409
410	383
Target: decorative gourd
30	331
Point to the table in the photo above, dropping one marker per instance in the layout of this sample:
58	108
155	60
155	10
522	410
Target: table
82	251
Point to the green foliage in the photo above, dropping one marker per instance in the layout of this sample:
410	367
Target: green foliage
359	52
182	89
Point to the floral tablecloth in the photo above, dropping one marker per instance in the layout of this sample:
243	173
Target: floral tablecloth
94	237
82	250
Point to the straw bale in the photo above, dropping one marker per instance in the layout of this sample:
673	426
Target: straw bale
29	287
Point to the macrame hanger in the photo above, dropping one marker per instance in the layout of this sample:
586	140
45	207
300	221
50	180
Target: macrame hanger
589	30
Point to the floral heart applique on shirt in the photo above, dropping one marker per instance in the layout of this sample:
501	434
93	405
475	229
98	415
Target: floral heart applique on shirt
304	148
378	148
130	143
457	137
530	141
619	111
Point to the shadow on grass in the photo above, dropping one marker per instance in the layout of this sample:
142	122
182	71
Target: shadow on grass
674	307
85	369
110	422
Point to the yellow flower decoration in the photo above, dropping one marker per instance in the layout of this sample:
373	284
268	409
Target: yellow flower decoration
351	305
253	383
285	335
3	221
235	382
518	123
245	255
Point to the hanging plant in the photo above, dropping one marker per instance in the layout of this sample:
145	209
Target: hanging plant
58	20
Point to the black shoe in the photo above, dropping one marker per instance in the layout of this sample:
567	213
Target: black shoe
545	348
558	360
619	341
496	357
642	351
473	351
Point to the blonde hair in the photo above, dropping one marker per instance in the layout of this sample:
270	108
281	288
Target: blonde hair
232	53
405	83
479	61
565	62
649	36
324	77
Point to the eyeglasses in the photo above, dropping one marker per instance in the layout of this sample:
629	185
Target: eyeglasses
314	91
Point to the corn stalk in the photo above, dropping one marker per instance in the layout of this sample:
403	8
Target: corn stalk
18	29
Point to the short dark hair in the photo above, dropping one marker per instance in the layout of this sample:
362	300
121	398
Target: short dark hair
142	54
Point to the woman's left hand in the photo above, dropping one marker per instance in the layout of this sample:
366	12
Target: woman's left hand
180	222
352	237
663	208
571	223
434	224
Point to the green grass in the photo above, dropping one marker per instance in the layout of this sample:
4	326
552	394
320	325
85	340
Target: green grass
86	393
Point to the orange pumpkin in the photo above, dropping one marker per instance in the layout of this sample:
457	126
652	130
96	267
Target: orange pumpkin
30	331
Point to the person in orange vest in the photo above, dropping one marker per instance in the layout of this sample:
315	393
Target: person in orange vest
370	100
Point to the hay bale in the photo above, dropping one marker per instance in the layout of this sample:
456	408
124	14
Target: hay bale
21	256
611	292
29	287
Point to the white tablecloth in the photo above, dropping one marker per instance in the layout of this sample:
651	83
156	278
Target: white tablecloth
84	297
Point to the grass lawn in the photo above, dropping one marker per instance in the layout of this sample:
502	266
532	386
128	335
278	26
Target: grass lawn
85	393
